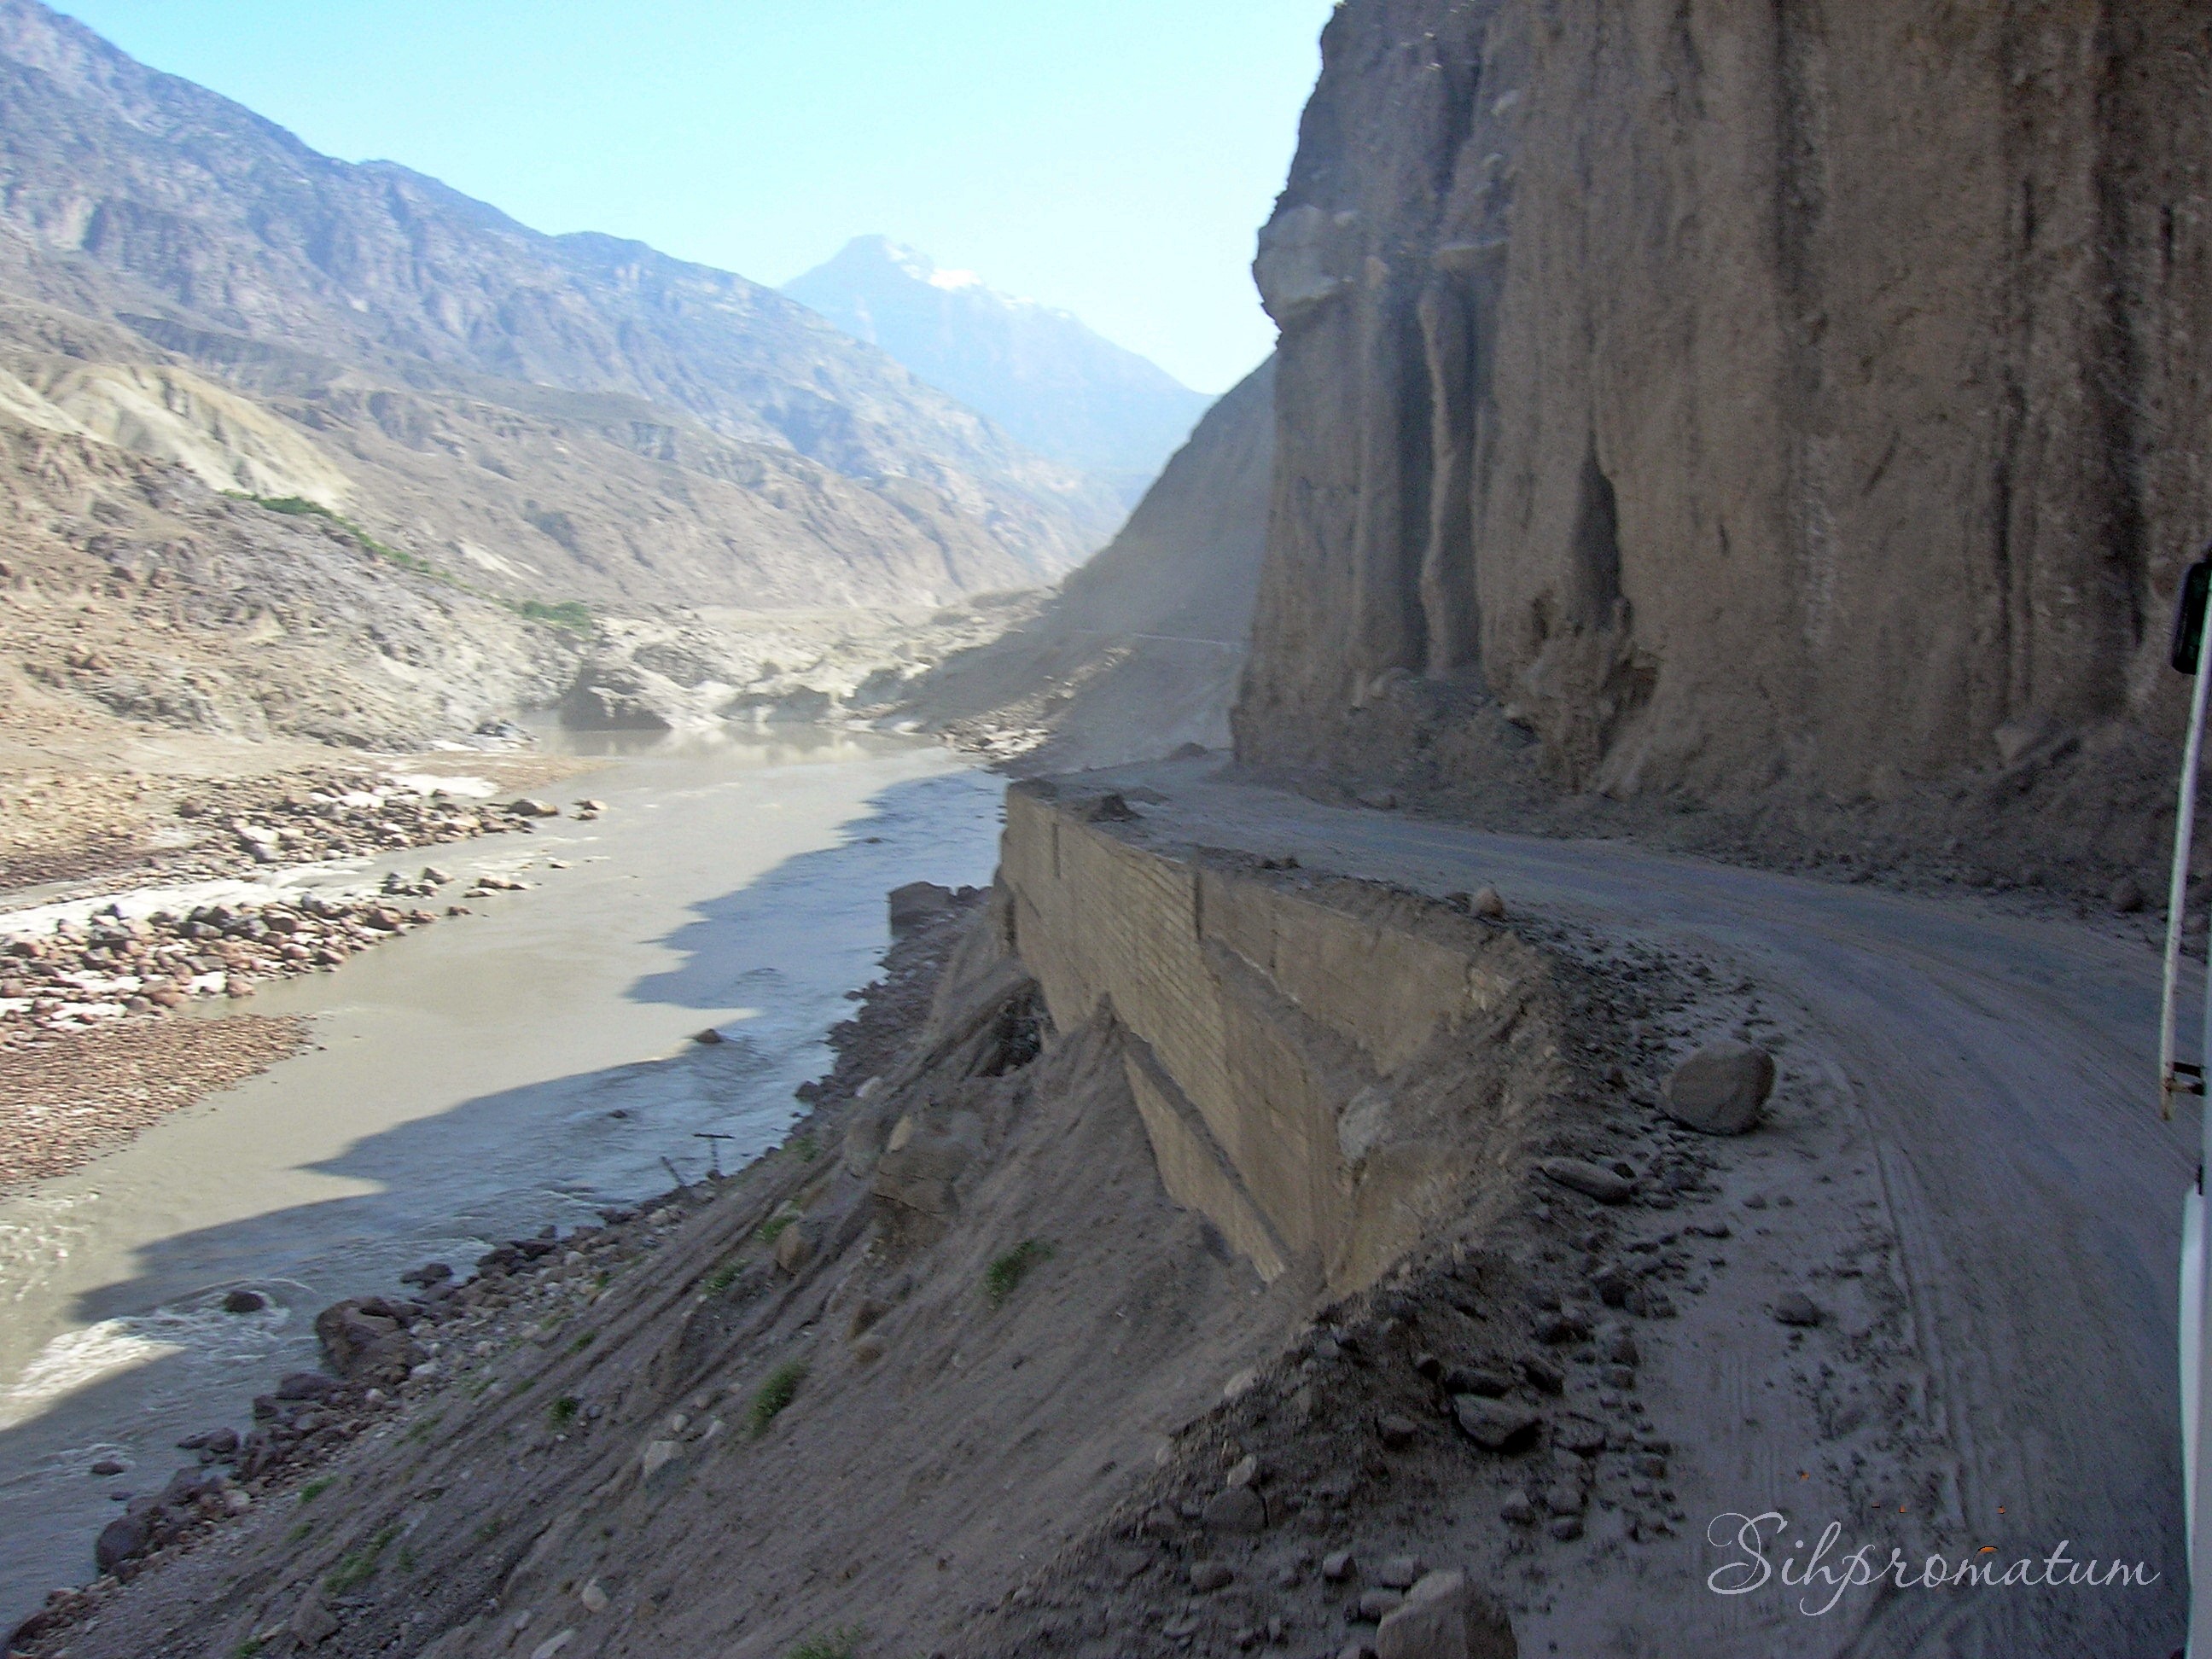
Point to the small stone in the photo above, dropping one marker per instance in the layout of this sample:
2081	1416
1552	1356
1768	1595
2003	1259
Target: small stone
107	1466
1561	1498
1795	1308
1567	1527
1516	1510
709	1038
1336	1566
1488	904
793	1249
1239	1508
1591	1180
1207	1577
244	1301
311	1623
1495	1425
1476	1379
1581	1436
1398	1572
1721	1090
1543	1375
1560	1329
1395	1432
1244	1472
1377	1604
1617	1343
1618	1377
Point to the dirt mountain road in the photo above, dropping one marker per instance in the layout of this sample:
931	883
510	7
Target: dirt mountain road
1999	1066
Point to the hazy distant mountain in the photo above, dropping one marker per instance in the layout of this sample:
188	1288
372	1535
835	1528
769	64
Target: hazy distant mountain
1039	373
572	415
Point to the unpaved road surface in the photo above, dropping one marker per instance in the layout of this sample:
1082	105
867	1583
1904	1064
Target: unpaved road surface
1999	1069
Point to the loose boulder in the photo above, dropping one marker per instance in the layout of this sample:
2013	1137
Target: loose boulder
1495	1425
1591	1180
915	903
1444	1616
1721	1090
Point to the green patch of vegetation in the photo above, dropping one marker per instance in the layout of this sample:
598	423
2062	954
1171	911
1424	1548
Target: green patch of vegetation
1004	1276
246	1649
525	1385
483	1386
315	1489
842	1643
489	1531
572	614
724	1276
805	1148
298	507
407	1562
781	1388
601	1280
357	1568
562	1412
583	1341
775	1225
304	1529
421	1430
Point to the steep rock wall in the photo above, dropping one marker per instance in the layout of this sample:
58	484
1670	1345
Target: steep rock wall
1325	1070
1731	393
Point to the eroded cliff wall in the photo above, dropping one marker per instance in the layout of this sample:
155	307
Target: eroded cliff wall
1729	394
1325	1069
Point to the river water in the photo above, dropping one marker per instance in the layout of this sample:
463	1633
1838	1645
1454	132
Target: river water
473	1081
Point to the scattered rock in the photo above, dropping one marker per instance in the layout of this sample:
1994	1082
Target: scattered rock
1591	1180
1244	1472
1377	1604
1567	1527
1395	1432
1496	1426
1795	1308
124	1539
707	1038
1398	1572
108	1466
1543	1375
1721	1090
793	1248
1476	1379
1563	1499
1207	1577
244	1301
1336	1566
1517	1510
1238	1509
1488	904
312	1622
1581	1436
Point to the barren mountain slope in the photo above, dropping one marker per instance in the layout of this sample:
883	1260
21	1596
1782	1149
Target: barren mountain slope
1138	652
1767	407
606	421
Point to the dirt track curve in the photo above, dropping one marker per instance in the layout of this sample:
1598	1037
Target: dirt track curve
1999	1065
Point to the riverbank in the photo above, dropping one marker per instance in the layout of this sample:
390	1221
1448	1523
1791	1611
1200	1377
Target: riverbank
466	1082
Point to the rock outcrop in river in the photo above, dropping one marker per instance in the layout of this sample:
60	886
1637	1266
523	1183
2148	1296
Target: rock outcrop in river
1738	399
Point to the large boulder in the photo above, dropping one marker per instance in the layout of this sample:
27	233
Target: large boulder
1444	1616
365	1342
1721	1090
915	903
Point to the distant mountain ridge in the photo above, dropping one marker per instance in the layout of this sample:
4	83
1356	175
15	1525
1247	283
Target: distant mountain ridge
1041	373
390	318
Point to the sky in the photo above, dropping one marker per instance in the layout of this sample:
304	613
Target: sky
1112	157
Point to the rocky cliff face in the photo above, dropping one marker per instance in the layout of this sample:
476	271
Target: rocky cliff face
1736	395
1039	373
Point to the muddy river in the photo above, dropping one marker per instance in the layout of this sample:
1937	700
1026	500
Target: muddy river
473	1081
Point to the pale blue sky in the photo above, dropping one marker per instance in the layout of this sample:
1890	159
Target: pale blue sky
1111	156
